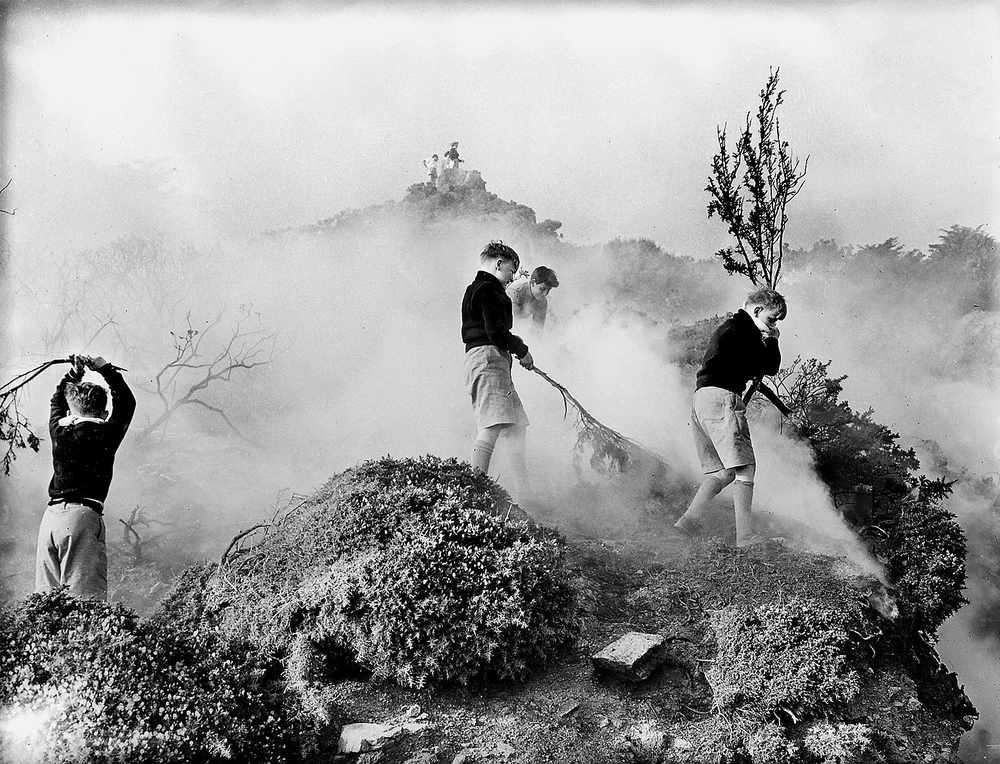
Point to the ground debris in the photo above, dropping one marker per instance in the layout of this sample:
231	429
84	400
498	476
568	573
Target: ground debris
634	656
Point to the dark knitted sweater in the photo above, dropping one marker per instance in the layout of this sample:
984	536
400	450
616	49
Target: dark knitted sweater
487	316
83	453
736	354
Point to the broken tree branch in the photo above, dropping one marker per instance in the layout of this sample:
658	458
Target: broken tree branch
612	451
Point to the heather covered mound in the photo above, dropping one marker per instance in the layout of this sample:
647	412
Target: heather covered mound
417	570
91	681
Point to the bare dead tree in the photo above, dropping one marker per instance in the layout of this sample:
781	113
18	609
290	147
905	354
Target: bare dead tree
131	538
96	290
192	371
5	187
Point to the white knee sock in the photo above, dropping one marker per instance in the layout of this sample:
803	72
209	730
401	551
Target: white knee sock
482	453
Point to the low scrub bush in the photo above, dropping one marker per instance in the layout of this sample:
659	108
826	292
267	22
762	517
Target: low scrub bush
91	681
411	568
769	744
841	744
787	660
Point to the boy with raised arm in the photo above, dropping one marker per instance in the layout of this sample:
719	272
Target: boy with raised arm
72	550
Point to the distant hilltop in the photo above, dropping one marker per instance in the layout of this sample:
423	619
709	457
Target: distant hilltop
453	177
456	195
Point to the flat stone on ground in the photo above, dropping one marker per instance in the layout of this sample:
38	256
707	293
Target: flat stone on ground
634	655
359	738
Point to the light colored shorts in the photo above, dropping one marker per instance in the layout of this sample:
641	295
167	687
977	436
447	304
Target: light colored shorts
489	384
721	432
72	551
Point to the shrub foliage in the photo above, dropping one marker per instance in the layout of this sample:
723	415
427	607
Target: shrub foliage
411	568
785	661
926	550
910	526
90	681
841	744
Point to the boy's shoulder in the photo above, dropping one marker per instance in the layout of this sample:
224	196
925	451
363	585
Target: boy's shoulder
519	290
738	321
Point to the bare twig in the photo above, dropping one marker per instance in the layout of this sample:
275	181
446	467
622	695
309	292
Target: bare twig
5	186
243	351
15	429
237	538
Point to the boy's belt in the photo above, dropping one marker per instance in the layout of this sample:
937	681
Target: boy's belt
94	504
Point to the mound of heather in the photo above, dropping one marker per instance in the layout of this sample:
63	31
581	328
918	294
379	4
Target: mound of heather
92	681
417	570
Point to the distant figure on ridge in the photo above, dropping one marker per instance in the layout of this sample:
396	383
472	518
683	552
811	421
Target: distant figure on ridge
489	349
530	296
743	348
431	165
452	156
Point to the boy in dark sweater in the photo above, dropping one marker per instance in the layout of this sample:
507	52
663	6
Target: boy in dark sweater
489	346
71	539
743	348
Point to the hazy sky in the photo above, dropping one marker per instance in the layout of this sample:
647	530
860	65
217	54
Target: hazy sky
602	116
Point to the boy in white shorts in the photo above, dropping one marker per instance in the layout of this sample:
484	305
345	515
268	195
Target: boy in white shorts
487	319
743	348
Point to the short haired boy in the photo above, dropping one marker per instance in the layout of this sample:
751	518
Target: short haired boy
743	348
71	549
489	346
530	297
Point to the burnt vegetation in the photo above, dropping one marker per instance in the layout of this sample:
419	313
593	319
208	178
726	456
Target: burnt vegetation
405	580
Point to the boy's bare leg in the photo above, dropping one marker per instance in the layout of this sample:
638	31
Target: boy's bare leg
482	448
742	502
710	487
516	436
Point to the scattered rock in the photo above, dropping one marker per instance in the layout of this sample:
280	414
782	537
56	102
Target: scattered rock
893	691
912	704
412	712
634	655
469	754
505	750
567	708
358	738
421	757
648	736
680	744
603	722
